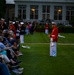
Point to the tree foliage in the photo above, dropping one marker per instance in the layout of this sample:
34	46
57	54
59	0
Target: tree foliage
2	8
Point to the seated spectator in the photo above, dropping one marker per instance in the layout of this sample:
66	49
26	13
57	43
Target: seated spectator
15	48
4	51
4	69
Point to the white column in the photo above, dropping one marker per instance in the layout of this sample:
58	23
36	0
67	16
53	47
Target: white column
40	12
52	12
28	12
63	13
16	10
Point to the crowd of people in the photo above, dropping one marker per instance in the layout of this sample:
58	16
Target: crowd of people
11	35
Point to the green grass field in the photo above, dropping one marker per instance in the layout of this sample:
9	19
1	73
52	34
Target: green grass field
36	60
43	38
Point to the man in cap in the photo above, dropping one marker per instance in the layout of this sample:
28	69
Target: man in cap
53	39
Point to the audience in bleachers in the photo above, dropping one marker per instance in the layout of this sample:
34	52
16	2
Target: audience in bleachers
10	47
11	36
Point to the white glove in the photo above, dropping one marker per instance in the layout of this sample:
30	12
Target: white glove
51	39
52	43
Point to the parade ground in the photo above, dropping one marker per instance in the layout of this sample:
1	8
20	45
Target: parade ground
37	61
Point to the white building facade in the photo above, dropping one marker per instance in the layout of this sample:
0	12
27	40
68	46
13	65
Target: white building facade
31	10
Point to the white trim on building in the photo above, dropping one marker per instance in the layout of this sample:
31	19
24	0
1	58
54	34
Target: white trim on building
47	0
10	2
